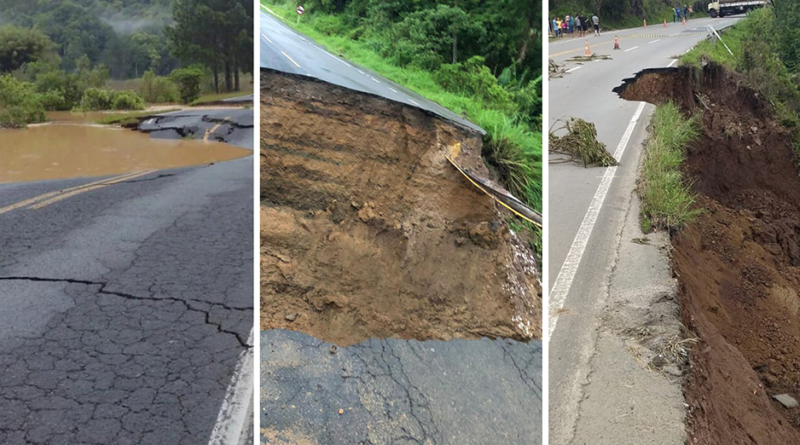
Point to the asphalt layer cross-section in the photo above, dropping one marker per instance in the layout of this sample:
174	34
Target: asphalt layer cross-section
400	391
124	310
286	50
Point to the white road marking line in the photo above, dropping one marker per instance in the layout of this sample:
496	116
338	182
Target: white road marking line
237	404
672	63
268	40
412	101
374	79
360	71
337	59
303	39
631	49
287	56
393	90
574	69
563	283
673	35
654	41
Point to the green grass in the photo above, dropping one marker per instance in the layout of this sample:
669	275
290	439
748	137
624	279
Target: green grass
733	37
124	119
516	147
667	199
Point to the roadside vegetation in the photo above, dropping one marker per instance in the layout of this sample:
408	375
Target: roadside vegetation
482	60
91	55
766	50
667	199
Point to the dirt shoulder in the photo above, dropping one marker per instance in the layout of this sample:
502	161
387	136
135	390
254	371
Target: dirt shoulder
737	266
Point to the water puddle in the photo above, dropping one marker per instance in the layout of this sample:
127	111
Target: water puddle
70	151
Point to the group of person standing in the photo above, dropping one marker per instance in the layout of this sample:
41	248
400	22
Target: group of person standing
686	13
577	26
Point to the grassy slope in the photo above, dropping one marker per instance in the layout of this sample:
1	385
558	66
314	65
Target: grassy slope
527	144
667	199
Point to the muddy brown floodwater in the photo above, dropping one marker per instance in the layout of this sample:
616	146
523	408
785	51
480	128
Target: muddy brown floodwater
738	266
58	151
368	231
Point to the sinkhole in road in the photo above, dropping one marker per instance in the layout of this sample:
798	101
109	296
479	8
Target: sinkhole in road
368	232
738	265
59	151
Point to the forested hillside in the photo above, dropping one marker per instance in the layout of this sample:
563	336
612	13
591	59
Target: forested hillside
60	55
133	36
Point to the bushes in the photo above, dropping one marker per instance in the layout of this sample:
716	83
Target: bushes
155	89
19	103
95	99
474	78
126	100
188	80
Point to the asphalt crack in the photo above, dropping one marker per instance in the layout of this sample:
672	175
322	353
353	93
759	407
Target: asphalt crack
186	303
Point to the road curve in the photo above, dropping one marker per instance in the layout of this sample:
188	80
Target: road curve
284	49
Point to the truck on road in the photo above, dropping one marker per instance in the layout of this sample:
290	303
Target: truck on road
722	8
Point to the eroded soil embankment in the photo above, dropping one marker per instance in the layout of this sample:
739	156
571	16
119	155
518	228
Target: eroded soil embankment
368	231
738	266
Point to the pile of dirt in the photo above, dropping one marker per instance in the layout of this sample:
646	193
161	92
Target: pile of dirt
368	231
738	266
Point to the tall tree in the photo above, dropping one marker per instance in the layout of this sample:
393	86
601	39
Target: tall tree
215	33
19	46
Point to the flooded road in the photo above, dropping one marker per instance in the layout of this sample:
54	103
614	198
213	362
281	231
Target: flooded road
59	151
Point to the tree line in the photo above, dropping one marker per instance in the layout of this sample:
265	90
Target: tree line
158	36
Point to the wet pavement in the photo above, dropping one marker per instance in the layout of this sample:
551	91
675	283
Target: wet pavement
125	303
399	391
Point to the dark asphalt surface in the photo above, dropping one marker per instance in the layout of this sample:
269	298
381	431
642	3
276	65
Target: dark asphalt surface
124	310
285	50
400	391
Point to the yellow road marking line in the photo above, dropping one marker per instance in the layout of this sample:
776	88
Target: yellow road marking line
287	56
214	128
87	189
57	192
634	36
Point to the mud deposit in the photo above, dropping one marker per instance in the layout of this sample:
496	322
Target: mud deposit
368	231
67	151
739	265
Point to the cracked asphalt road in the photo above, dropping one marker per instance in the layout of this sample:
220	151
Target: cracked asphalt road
124	310
399	391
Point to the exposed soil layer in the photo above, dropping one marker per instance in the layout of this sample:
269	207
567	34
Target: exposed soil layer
737	266
368	231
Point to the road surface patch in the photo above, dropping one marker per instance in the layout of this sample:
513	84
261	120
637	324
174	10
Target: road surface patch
566	275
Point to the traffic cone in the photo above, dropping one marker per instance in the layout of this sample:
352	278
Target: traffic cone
665	23
616	43
588	50
645	23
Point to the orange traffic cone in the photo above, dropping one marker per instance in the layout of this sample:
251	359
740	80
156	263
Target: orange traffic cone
665	23
588	50
645	23
616	42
